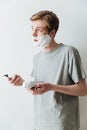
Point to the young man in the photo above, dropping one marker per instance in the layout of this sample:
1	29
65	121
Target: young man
59	67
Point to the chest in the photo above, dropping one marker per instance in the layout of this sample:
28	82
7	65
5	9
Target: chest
48	67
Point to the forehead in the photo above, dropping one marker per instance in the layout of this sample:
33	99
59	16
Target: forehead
38	23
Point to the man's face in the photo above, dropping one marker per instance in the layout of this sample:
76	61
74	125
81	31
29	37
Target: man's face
39	28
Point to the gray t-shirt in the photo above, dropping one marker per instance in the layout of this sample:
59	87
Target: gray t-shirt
53	110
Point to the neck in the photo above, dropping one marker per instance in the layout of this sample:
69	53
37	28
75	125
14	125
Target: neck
53	45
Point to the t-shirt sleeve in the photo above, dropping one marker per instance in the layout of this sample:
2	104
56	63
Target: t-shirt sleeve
76	70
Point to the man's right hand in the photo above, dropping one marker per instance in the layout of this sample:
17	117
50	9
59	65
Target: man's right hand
16	80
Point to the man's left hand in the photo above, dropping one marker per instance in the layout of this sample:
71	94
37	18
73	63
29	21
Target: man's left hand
42	88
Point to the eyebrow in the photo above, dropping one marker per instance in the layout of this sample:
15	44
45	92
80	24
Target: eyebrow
38	27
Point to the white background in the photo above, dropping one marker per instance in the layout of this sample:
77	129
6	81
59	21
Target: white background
17	52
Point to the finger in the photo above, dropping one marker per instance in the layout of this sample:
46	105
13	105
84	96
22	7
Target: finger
9	79
33	92
17	82
35	87
39	91
12	80
42	85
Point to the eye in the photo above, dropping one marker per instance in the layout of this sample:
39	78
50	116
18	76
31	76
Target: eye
39	30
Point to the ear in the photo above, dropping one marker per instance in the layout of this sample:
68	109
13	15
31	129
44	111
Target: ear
52	33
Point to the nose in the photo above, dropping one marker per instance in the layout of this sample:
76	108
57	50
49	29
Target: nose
34	33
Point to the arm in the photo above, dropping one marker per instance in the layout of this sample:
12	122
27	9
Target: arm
79	89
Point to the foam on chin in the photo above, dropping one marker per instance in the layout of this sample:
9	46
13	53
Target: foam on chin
42	41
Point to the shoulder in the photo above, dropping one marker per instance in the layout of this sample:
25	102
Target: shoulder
71	50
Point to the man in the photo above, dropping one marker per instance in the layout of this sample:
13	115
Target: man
59	67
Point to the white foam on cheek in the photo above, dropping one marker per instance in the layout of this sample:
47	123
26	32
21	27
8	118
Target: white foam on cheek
37	38
42	41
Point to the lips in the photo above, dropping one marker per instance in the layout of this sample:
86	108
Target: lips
42	41
35	40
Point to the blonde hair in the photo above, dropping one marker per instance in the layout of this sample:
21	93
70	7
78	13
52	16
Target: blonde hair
48	16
